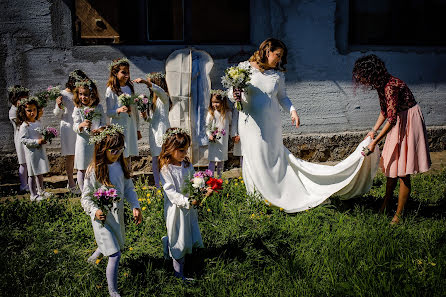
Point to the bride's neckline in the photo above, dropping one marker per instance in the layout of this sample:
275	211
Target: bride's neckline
258	69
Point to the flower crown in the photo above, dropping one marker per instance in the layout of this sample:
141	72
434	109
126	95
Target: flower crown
112	129
76	76
89	83
28	100
18	89
117	62
155	75
219	92
172	132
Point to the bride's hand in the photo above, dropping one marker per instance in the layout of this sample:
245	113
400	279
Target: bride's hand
295	118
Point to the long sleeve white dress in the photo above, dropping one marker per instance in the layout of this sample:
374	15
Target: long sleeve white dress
129	123
84	150
218	149
159	120
110	237
19	147
183	231
67	135
272	171
35	154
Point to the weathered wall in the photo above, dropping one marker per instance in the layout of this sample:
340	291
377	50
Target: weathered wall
36	51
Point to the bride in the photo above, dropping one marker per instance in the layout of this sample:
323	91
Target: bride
269	169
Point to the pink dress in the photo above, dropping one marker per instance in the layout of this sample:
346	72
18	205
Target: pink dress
406	150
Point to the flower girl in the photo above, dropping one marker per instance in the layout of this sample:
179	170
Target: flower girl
158	116
218	120
87	115
109	175
35	153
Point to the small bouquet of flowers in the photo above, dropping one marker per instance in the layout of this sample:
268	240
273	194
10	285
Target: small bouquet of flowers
142	102
48	133
105	197
51	93
126	100
196	187
216	133
90	114
237	78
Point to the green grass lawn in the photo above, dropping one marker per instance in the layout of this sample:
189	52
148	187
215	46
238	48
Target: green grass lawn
344	248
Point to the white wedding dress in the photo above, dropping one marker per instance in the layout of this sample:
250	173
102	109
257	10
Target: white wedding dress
270	170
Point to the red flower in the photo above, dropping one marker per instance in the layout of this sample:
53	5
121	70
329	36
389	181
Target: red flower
215	183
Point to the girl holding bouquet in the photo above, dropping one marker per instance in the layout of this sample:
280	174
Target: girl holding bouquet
108	170
218	120
35	154
158	116
406	150
183	232
17	93
63	110
88	114
125	115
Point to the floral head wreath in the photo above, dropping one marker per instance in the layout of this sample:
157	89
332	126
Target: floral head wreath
76	76
18	90
118	62
30	99
109	130
154	75
172	132
219	92
86	83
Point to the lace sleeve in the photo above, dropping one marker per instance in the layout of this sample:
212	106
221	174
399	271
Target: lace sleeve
391	94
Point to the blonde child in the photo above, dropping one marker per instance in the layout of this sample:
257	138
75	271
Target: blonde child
218	119
63	110
158	116
406	150
35	154
16	94
108	169
183	232
85	98
118	83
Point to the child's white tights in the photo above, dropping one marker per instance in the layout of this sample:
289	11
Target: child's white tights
23	175
178	266
112	273
80	179
35	184
219	167
156	171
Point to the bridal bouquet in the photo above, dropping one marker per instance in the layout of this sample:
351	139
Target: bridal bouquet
105	197
216	133
51	93
197	186
48	133
237	78
90	114
142	102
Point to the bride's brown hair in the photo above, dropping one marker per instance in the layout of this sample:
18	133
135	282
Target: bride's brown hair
270	45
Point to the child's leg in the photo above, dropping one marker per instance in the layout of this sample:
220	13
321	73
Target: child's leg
32	187
241	161
23	175
112	273
403	195
69	165
211	166
390	187
178	266
156	172
220	168
80	179
40	188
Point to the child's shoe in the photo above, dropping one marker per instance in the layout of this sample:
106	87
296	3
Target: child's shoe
114	294
45	194
74	190
40	198
34	197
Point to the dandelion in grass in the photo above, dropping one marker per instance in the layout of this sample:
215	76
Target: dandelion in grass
130	249
56	251
148	201
148	195
97	261
281	209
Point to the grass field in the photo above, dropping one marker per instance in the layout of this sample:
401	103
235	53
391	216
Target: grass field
344	248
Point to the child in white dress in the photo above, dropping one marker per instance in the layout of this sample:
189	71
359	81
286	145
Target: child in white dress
17	93
183	232
158	116
109	169
63	110
127	116
85	98
218	119
35	154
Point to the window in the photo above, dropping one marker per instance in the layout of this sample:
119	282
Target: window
162	21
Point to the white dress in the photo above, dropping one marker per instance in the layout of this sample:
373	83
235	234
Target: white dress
35	154
67	135
183	231
218	149
272	171
19	147
159	120
129	123
110	237
84	150
237	149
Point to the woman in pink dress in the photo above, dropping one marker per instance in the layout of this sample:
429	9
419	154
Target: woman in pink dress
406	150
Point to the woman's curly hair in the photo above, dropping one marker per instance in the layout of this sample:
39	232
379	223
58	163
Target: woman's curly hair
260	56
370	71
